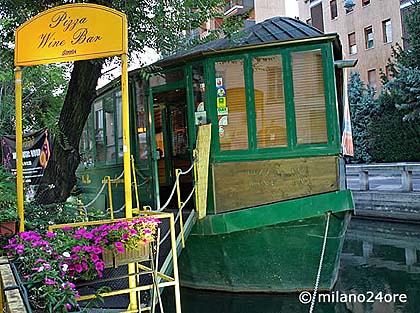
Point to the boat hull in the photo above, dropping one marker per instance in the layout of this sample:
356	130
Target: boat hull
282	257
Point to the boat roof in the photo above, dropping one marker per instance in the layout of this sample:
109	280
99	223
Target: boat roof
276	30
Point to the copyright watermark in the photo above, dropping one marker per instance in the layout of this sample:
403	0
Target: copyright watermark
305	297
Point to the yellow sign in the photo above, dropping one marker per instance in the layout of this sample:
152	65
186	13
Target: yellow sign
221	102
71	32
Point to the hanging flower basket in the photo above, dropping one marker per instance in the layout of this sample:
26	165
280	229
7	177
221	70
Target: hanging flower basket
115	259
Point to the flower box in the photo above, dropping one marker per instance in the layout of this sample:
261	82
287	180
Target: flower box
7	228
140	254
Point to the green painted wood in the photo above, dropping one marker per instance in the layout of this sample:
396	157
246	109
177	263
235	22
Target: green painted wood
282	257
280	212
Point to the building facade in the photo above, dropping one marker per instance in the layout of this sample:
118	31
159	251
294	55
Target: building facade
256	10
367	28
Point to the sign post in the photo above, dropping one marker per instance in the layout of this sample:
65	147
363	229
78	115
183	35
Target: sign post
74	32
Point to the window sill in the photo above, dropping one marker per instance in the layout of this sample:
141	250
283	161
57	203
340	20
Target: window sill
367	49
387	43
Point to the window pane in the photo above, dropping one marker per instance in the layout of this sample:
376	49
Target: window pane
333	9
179	130
199	88
387	31
269	101
118	104
166	78
372	78
309	98
109	127
369	37
352	43
99	131
86	143
233	127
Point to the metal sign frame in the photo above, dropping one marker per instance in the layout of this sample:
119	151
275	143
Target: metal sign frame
59	29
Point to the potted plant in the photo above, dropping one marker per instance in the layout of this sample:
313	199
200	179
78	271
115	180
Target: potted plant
52	264
8	209
8	220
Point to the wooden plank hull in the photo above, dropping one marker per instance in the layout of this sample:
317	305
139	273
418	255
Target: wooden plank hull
282	257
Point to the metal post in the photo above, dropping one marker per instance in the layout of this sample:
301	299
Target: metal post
407	179
111	206
127	169
178	192
364	180
19	148
133	167
175	265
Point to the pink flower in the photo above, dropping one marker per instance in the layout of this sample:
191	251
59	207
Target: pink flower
69	285
94	257
78	268
99	266
50	234
66	228
68	306
97	250
76	249
49	281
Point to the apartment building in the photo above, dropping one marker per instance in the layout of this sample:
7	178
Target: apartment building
367	29
256	10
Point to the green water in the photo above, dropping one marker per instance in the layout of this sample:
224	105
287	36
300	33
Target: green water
379	260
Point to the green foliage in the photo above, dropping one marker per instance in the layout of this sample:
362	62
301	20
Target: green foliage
411	56
405	92
404	86
8	210
395	140
38	217
362	105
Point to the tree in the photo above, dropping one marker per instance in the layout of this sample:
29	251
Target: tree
362	107
163	25
404	86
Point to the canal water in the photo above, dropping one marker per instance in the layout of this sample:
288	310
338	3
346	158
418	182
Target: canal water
379	273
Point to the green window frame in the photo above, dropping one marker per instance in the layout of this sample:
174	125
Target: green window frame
292	149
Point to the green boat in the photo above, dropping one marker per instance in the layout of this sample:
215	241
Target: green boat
265	108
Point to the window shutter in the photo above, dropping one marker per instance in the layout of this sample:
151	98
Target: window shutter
309	97
269	101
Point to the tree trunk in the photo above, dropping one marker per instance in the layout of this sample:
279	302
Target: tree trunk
59	176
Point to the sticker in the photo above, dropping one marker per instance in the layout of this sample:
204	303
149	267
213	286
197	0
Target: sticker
200	107
202	87
221	91
221	102
219	81
221	132
200	118
222	111
223	120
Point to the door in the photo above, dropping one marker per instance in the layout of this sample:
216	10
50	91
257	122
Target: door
171	144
